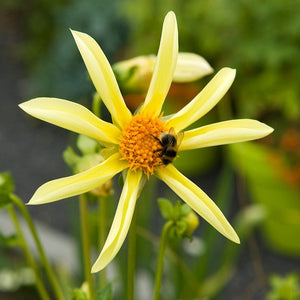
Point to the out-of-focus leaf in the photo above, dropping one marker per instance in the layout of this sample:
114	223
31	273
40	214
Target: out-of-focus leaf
7	185
5	200
106	293
79	294
9	241
87	145
166	208
282	225
284	288
13	279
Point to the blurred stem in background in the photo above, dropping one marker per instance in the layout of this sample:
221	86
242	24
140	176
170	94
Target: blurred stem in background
160	260
39	284
86	244
52	278
102	234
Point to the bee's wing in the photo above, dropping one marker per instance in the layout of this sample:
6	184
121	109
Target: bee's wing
172	131
179	137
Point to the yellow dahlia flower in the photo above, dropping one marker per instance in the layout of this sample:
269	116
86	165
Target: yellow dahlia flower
133	140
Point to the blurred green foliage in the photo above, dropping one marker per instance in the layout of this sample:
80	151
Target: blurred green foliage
266	187
55	65
259	38
284	288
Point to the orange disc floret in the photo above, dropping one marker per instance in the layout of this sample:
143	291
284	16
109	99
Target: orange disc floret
139	143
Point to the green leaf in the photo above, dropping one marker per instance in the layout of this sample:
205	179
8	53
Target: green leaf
266	186
7	185
79	294
5	200
106	293
86	145
10	240
166	208
284	288
185	209
70	157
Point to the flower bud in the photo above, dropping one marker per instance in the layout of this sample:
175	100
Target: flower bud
192	223
191	67
134	75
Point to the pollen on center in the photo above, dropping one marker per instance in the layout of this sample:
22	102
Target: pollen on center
140	145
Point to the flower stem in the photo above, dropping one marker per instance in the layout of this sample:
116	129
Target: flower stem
102	235
160	260
57	290
86	244
39	284
131	258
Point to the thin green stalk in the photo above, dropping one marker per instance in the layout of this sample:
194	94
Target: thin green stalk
52	278
39	284
102	235
86	245
131	258
160	260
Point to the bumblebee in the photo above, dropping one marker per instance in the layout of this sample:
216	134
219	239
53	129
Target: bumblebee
170	141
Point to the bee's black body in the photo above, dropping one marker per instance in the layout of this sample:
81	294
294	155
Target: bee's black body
170	143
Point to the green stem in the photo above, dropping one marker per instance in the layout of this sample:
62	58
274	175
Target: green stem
160	260
86	244
131	258
102	235
39	284
52	278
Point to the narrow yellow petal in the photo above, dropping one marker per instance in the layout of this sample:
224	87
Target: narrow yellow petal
197	200
80	183
164	67
72	116
191	67
121	222
103	77
226	132
204	101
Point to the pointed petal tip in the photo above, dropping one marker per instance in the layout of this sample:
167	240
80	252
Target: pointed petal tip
269	129
75	33
33	202
264	128
171	14
98	266
171	17
95	269
235	238
29	104
24	105
21	105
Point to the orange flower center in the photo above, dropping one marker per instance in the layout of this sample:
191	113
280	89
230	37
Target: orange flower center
140	145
